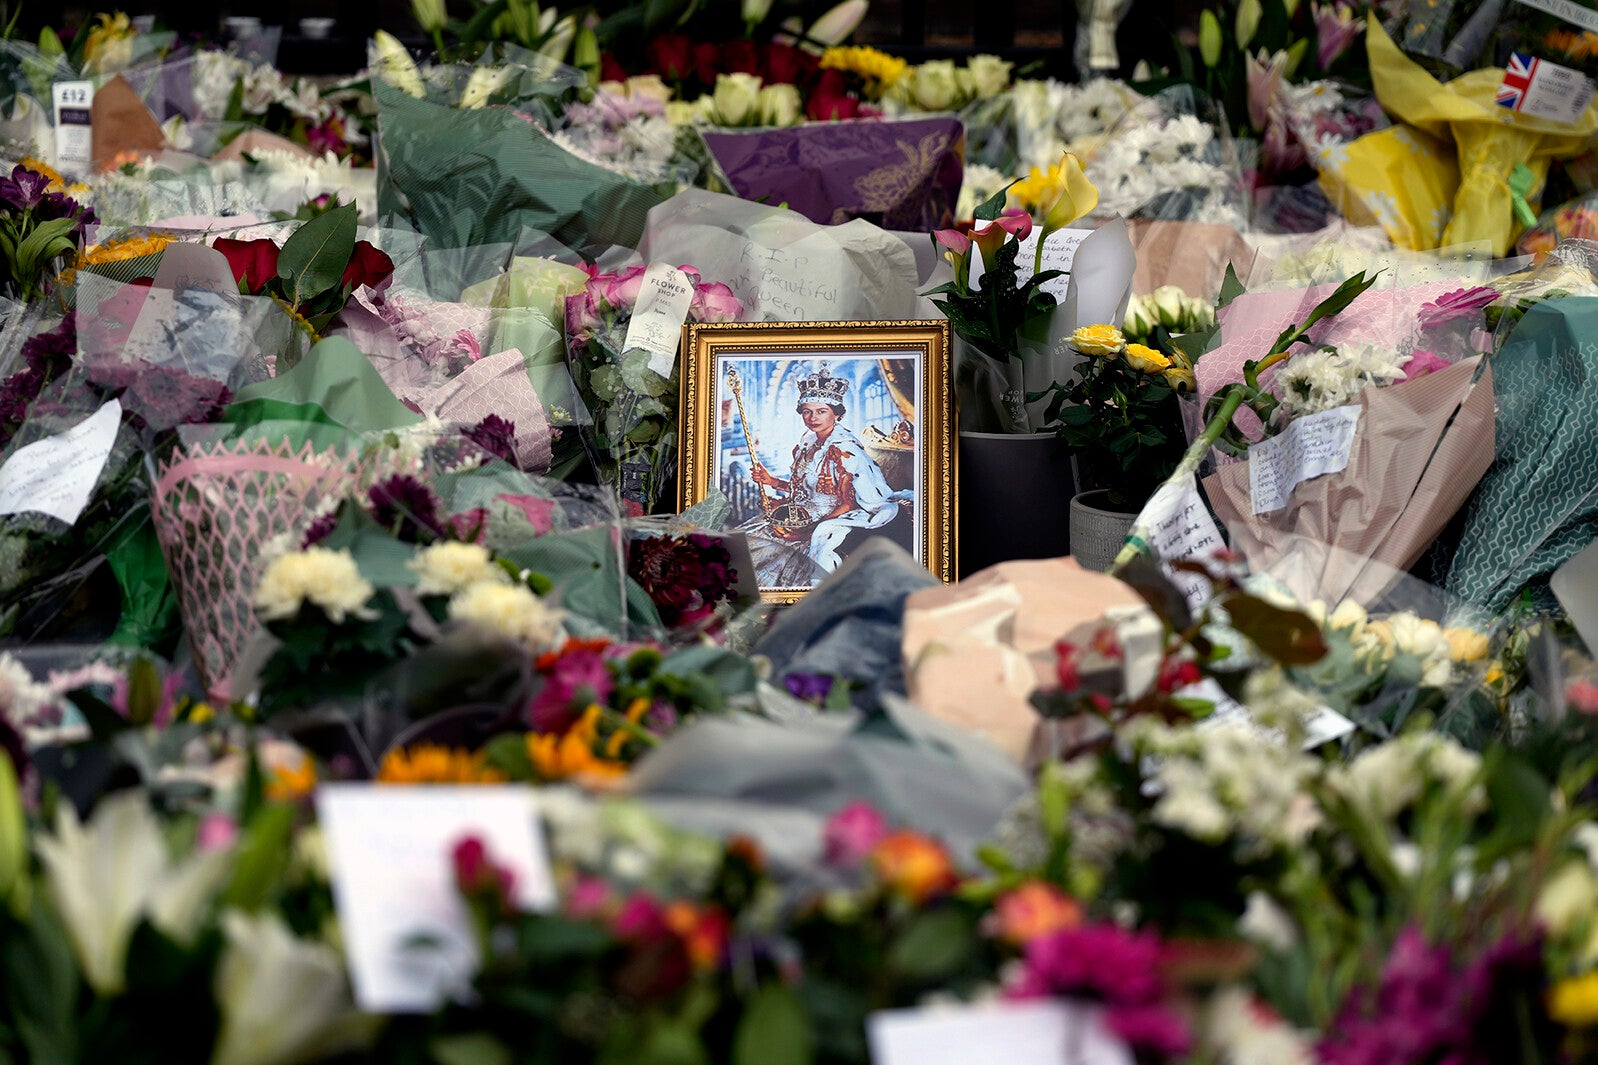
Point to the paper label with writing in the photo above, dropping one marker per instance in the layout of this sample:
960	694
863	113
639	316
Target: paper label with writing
1535	86
391	852
1309	447
1050	1032
662	308
1058	254
56	475
74	137
1180	527
1323	726
1576	14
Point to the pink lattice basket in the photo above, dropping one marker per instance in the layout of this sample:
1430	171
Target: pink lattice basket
216	506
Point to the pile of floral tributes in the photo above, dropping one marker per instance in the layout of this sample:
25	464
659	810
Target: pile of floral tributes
321	481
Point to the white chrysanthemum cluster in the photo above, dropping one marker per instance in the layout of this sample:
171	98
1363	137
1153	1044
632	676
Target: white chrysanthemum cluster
512	610
22	701
1229	779
1179	154
450	567
1321	380
327	579
1053	117
1390	777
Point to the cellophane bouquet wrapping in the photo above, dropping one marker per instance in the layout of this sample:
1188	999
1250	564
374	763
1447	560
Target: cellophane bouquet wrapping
628	374
1397	393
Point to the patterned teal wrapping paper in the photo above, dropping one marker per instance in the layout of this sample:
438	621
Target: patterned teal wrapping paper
1538	504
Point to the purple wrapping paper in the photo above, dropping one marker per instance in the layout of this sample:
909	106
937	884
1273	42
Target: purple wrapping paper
898	175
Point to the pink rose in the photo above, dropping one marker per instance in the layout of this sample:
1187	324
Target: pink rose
618	291
1422	363
852	833
714	302
582	315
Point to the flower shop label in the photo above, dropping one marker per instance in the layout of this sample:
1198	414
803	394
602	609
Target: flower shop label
1311	446
662	308
1535	86
56	476
407	933
1180	527
1015	1033
1585	17
74	126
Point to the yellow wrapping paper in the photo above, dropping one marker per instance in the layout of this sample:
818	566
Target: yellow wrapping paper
1488	140
1398	178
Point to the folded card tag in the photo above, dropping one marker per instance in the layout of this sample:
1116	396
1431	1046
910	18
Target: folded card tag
392	856
1310	446
1014	1033
74	125
56	475
1535	86
662	308
1180	527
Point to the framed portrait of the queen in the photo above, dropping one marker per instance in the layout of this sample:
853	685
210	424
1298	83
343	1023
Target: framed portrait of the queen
821	436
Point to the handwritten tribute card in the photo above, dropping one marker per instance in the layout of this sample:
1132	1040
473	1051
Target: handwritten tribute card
662	308
391	851
1309	447
1181	528
56	476
1000	1033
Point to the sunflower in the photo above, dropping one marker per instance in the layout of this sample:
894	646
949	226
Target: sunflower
430	763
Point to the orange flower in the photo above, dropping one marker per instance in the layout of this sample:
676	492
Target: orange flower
703	932
286	783
547	660
913	865
1035	909
429	763
571	754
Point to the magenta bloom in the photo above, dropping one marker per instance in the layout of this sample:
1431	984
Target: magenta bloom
1150	1027
851	834
1099	961
1336	27
540	512
477	874
953	239
217	832
1422	363
618	291
578	679
1460	303
1016	222
589	897
641	918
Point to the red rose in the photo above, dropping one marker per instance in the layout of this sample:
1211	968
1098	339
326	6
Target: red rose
367	266
706	59
610	69
671	56
787	65
253	262
740	57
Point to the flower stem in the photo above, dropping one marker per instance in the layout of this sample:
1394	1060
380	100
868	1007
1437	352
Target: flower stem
1137	541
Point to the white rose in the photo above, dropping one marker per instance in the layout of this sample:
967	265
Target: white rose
990	75
933	86
779	105
648	87
736	99
1171	304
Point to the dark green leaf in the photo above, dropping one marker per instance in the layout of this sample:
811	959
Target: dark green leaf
1288	636
314	258
993	206
263	857
937	943
475	1048
1231	288
774	1030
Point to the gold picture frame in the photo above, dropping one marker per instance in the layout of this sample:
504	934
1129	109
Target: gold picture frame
808	487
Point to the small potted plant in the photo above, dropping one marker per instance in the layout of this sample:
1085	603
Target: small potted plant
1120	415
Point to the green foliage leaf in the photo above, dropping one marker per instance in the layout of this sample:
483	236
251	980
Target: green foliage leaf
774	1030
993	206
41	982
314	258
936	945
475	1048
1231	288
1290	637
263	857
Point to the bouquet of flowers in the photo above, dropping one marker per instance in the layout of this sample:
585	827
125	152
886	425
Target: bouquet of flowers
39	225
630	388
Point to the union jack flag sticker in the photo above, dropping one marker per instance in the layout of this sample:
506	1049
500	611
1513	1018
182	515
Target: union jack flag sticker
1517	80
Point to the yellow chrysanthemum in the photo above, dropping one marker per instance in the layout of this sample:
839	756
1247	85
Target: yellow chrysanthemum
618	739
39	166
1098	340
430	763
117	250
879	70
571	754
1574	1002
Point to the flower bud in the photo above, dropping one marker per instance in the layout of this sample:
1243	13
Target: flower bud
429	14
1248	21
1209	38
779	105
736	99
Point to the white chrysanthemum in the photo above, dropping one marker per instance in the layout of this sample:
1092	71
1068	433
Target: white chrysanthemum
448	567
329	580
21	699
1233	1029
1390	777
509	609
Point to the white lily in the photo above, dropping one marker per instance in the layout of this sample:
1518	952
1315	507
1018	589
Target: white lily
834	27
394	65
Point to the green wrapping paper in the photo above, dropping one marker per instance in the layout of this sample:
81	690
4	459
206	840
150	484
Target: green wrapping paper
1538	504
468	177
335	384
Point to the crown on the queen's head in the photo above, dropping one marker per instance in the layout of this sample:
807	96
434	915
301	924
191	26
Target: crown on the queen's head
822	387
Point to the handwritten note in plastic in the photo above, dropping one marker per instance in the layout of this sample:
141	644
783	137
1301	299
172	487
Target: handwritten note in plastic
393	881
56	475
1311	446
1058	254
1323	726
662	308
1180	527
1015	1033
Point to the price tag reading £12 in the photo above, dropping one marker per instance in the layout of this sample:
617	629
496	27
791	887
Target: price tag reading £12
74	128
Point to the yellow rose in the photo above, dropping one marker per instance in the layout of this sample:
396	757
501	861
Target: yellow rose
1145	359
1465	645
1098	340
1574	1002
1180	374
